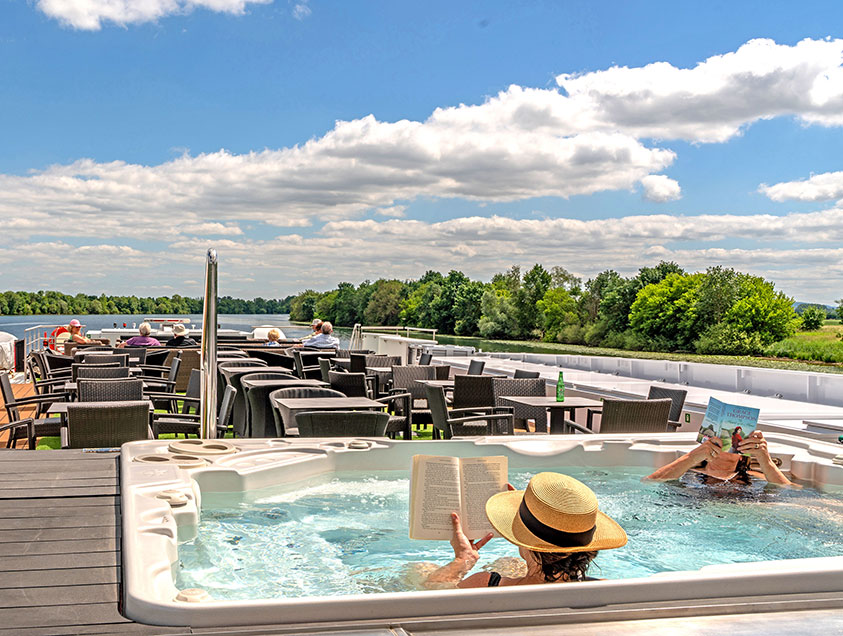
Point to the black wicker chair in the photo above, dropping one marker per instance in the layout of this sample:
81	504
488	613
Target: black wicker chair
342	423
121	390
405	379
425	358
677	398
281	425
523	374
106	425
351	384
629	416
522	387
97	372
189	423
475	367
28	428
446	425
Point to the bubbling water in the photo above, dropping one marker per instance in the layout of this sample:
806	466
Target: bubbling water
347	534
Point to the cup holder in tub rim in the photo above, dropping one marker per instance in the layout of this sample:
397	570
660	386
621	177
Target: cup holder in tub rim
181	460
202	447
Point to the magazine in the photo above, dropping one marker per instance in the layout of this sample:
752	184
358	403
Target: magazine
442	485
730	422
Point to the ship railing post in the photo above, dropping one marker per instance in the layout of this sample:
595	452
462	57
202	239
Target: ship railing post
209	350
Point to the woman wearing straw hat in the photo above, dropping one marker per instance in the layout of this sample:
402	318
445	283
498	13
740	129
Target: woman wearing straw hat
556	525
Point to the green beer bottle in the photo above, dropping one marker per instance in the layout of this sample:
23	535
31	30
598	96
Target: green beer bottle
560	389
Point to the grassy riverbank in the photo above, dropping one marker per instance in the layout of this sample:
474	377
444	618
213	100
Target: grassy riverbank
528	346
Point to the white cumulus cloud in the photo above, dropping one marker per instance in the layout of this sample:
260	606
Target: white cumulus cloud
713	100
827	186
659	188
90	15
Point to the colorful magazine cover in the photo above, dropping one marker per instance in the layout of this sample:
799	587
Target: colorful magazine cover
730	422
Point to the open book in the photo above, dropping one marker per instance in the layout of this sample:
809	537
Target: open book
730	422
442	485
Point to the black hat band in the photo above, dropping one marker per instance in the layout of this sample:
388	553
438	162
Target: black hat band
552	535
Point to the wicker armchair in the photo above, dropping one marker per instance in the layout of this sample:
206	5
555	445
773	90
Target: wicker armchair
100	372
442	371
102	358
446	425
523	374
168	383
677	397
189	423
285	422
260	421
522	387
475	367
405	380
325	369
156	357
473	391
351	384
629	416
28	428
425	358
130	390
305	367
74	368
342	423
101	425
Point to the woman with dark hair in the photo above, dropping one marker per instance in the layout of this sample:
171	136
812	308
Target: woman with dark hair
556	525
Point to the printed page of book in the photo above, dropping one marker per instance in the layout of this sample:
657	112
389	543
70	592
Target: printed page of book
434	495
481	478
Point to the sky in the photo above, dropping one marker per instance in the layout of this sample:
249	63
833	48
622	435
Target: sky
312	142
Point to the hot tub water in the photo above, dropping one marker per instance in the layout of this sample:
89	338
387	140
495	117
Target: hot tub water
348	535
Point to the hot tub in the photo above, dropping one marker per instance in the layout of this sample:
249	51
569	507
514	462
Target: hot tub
163	489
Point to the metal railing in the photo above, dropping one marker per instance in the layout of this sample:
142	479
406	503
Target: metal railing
208	362
359	330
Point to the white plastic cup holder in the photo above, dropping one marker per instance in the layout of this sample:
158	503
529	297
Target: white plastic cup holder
359	444
193	595
202	447
153	459
175	498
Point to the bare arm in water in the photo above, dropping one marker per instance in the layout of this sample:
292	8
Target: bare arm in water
706	451
756	447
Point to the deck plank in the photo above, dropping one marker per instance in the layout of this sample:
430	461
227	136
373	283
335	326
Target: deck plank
21	597
58	534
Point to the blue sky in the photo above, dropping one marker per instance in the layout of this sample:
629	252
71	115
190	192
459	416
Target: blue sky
592	136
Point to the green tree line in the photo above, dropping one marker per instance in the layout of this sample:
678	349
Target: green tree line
662	308
19	303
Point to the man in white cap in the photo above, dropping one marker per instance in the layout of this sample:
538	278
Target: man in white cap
180	337
316	326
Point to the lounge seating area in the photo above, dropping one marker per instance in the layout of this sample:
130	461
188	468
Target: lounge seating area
265	393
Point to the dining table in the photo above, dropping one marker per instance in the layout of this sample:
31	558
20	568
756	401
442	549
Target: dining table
288	408
558	410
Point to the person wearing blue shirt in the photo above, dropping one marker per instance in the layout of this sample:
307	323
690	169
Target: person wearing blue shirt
324	340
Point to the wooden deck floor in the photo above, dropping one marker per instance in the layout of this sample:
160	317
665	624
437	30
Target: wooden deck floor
60	541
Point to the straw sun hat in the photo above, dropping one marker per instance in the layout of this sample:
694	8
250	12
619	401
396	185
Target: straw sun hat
556	513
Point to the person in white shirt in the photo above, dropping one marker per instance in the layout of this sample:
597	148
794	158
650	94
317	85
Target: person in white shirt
324	340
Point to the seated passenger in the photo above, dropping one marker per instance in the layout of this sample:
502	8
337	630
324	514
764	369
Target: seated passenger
316	327
143	340
709	459
324	340
556	525
75	329
180	339
272	338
